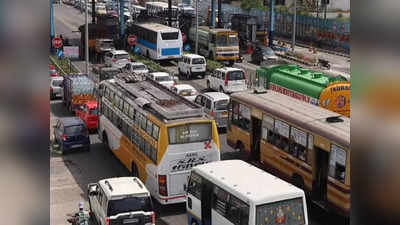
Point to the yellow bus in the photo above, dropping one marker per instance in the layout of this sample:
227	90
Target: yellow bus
156	134
304	144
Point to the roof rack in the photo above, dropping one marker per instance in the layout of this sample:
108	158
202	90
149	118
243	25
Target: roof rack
109	185
334	119
151	94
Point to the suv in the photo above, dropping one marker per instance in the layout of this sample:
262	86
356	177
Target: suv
162	78
227	80
71	133
116	58
216	105
135	67
121	200
192	65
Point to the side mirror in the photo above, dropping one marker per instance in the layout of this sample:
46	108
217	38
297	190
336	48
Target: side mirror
92	189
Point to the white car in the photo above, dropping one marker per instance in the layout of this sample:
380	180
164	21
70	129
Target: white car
120	200
186	91
216	105
163	78
56	87
135	67
227	80
192	65
116	58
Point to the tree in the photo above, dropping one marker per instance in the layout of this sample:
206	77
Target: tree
252	4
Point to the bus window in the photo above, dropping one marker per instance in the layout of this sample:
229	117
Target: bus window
194	186
289	212
241	116
189	133
337	163
298	143
238	211
220	203
170	35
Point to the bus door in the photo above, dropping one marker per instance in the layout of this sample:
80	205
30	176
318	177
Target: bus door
319	190
206	202
256	137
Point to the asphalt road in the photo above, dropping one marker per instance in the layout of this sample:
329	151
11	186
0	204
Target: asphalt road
70	174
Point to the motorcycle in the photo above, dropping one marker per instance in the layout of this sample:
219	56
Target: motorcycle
74	219
324	63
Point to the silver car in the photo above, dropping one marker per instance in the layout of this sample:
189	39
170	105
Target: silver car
56	87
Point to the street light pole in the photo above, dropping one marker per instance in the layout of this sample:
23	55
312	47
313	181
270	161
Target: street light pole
294	26
197	26
87	38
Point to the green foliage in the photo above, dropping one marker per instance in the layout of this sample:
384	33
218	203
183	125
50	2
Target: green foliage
252	4
63	65
212	65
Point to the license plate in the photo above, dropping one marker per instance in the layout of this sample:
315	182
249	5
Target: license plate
76	146
133	220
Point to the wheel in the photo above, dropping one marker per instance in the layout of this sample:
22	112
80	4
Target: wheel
208	85
188	76
134	170
148	54
62	149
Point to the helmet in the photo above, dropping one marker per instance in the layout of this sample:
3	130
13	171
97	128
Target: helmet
80	205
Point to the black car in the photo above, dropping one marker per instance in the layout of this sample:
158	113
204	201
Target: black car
261	54
71	133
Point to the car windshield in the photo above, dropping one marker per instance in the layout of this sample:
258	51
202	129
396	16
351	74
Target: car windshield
130	204
281	212
221	40
268	51
107	44
93	111
169	35
235	75
233	40
189	133
122	56
186	92
198	61
74	130
163	78
221	104
139	67
57	83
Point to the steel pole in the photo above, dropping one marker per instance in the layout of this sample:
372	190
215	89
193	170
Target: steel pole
86	38
271	23
197	27
294	26
213	14
122	18
52	34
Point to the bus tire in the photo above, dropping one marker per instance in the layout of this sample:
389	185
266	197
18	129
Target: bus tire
134	170
208	85
298	181
147	54
194	222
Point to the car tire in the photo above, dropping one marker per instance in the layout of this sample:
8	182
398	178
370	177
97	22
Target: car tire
61	149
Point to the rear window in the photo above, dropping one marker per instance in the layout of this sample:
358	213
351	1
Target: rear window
289	212
74	130
163	78
139	67
189	133
185	92
221	105
122	56
130	204
93	111
170	36
57	83
198	61
236	75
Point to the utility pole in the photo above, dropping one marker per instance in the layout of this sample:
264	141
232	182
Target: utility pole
52	33
86	38
197	27
219	13
122	21
271	22
169	13
93	11
213	13
294	25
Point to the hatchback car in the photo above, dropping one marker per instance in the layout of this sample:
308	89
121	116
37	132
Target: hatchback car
162	78
116	58
56	88
227	80
186	91
88	113
135	67
71	133
263	54
216	105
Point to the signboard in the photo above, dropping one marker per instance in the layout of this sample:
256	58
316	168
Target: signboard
132	39
57	42
71	52
293	94
188	161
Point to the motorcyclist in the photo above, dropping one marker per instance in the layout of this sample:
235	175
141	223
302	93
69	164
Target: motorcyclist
83	215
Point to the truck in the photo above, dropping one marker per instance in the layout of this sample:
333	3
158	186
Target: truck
216	43
103	45
320	89
101	72
78	89
96	31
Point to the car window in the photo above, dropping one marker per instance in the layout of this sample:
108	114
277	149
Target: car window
74	130
139	67
131	204
198	61
222	76
163	78
122	56
235	75
221	104
208	103
93	111
198	99
57	83
185	92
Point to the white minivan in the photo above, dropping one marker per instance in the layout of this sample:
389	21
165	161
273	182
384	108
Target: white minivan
227	80
116	58
192	65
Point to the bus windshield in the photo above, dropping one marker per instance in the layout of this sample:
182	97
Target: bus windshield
170	36
222	40
290	212
130	204
233	40
189	133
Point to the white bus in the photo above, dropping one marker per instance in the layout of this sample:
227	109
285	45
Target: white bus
235	192
157	41
158	8
157	134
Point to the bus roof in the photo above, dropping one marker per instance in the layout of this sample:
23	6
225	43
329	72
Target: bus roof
161	4
215	29
248	182
305	115
157	27
156	99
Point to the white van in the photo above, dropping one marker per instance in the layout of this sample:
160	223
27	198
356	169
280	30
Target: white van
227	80
216	105
192	65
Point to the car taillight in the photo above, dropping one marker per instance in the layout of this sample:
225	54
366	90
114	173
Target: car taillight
212	113
107	221
64	137
153	218
114	60
226	79
162	185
